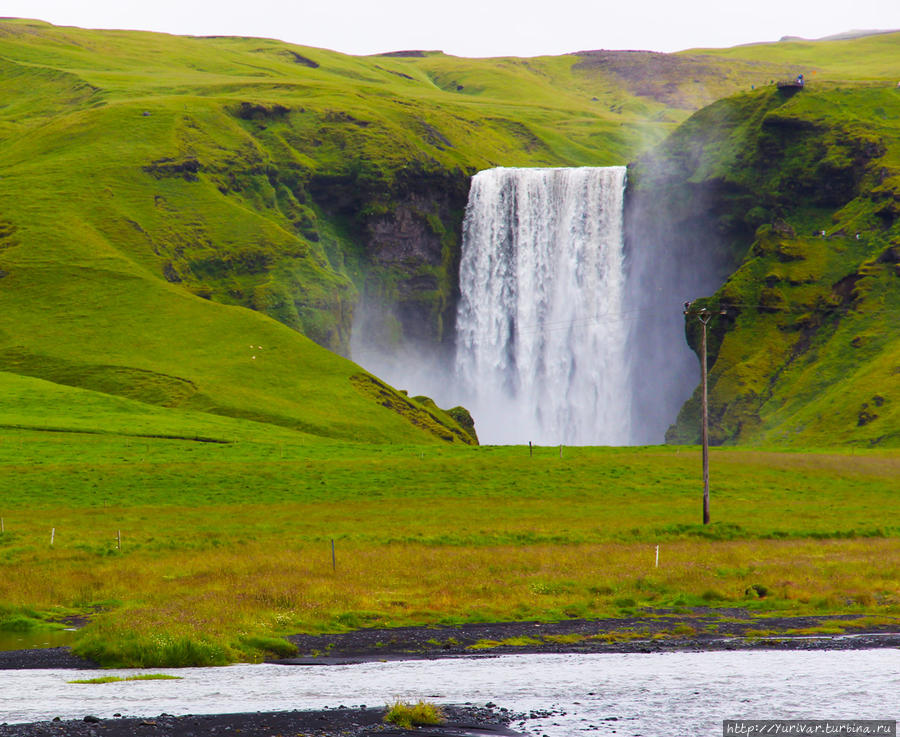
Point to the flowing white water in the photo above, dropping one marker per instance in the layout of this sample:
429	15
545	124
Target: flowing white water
540	338
635	694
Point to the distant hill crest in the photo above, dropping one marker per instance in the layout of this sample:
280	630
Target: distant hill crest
845	36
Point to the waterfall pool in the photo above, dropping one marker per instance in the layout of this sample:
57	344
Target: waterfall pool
557	695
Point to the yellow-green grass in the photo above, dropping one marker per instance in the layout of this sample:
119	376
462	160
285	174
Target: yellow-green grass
407	716
508	642
867	58
226	547
120	679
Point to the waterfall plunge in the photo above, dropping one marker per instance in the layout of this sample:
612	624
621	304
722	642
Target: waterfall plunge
540	337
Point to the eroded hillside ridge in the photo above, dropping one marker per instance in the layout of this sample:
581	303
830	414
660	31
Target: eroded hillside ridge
349	233
803	192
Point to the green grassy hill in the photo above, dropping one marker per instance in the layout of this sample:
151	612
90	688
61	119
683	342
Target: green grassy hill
805	190
154	187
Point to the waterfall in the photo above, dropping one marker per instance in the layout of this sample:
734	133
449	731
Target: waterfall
540	334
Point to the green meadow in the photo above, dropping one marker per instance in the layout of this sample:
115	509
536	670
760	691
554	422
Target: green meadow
184	551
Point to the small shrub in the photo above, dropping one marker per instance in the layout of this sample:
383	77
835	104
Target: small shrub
600	590
269	645
20	623
407	716
756	591
684	629
575	611
711	595
550	588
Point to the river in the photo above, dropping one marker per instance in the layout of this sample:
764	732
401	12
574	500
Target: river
559	695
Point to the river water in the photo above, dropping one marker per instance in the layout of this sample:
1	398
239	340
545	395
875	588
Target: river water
560	695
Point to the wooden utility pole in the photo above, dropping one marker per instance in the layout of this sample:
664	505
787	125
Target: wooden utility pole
703	316
704	410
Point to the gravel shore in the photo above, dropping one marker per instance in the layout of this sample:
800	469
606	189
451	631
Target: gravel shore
341	722
731	629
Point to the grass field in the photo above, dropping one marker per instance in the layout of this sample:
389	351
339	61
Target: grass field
227	546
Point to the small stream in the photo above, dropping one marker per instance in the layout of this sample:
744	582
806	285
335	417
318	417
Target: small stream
36	639
559	695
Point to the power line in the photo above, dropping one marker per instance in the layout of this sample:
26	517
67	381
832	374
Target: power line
635	313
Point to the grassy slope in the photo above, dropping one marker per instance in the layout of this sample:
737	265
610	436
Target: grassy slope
84	298
858	60
808	353
146	189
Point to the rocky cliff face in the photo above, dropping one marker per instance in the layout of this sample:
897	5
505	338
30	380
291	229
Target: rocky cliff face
406	237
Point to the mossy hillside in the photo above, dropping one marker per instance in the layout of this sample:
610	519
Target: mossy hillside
807	352
272	168
252	172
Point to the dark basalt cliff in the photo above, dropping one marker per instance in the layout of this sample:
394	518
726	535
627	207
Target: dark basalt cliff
405	233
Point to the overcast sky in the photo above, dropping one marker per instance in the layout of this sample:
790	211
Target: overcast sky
477	27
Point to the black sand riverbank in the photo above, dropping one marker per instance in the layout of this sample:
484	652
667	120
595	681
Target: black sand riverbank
732	629
719	629
341	722
661	631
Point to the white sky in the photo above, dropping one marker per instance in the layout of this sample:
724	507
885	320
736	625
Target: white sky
477	27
